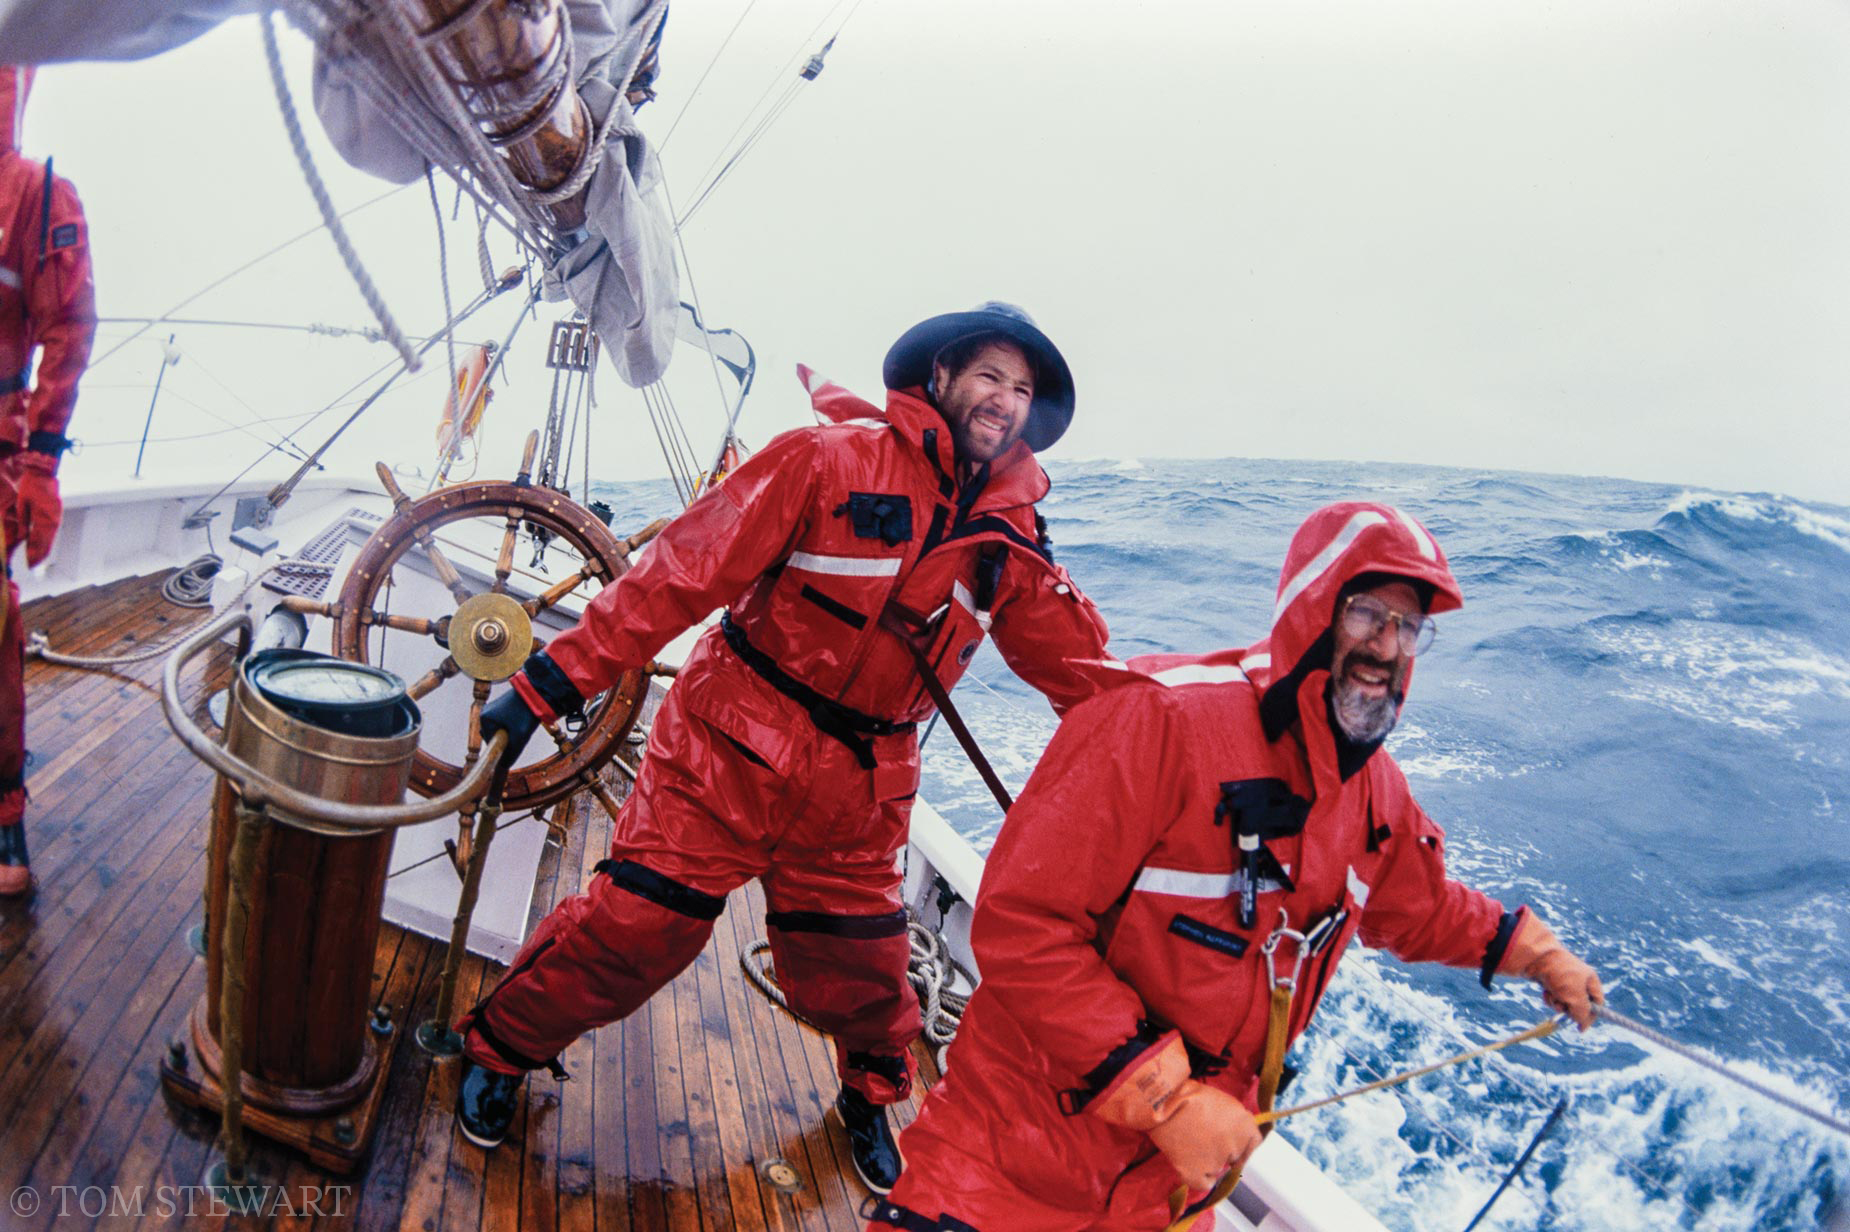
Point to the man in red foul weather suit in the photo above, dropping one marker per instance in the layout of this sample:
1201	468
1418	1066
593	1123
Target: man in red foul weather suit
1112	1054
46	305
786	749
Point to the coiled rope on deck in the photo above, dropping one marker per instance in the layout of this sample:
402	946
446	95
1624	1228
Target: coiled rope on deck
191	584
38	644
930	969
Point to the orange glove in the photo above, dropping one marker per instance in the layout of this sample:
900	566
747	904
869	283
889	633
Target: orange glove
40	510
1568	984
1203	1132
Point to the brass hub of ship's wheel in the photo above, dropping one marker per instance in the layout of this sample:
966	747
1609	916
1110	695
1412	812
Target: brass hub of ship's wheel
490	632
490	636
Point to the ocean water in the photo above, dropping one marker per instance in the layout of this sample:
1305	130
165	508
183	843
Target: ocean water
1639	723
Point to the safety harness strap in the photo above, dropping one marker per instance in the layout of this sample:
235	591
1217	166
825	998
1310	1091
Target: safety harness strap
941	698
878	1210
1277	1031
843	723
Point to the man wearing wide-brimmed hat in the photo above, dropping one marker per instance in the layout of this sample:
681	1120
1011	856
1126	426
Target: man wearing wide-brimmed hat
787	748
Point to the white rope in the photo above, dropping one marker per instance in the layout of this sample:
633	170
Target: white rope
329	217
934	973
191	584
930	969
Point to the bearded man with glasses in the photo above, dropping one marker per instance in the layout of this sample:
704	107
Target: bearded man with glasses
1156	927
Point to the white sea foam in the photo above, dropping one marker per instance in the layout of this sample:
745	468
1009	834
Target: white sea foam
1641	1146
1827	527
1714	957
1722	674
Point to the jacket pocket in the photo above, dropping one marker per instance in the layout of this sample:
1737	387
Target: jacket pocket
743	711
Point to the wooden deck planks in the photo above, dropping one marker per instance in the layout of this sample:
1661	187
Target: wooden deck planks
665	1127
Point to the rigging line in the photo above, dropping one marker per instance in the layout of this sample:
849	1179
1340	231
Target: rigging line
700	320
1710	1063
369	332
256	416
278	445
590	409
677	433
339	399
1469	1150
662	441
349	257
166	317
1522	1162
688	102
774	114
1517	1075
777	109
672	440
782	73
443	271
196	436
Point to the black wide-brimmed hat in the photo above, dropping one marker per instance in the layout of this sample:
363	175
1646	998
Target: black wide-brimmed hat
909	362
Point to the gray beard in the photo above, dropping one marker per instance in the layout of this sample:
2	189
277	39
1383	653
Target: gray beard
1365	720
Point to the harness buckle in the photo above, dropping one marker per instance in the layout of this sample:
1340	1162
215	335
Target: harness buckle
1285	932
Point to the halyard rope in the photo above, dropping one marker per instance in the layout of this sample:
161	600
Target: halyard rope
329	216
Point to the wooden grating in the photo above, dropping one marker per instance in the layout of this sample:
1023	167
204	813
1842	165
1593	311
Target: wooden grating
665	1125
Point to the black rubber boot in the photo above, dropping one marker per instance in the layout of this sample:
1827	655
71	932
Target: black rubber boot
486	1102
870	1140
15	866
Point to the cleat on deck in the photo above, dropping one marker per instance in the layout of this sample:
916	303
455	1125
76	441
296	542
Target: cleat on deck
870	1140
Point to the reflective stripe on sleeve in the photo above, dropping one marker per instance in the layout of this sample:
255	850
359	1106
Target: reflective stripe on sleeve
1199	673
962	594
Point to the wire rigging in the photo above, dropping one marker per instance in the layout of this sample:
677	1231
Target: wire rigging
166	317
693	93
812	69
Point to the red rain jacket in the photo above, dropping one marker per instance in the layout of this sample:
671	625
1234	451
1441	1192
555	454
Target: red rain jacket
46	295
811	538
1108	916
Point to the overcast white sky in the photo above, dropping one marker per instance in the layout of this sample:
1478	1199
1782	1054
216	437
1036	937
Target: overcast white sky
1597	236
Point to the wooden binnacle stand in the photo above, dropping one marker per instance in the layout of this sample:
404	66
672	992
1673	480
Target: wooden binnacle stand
317	753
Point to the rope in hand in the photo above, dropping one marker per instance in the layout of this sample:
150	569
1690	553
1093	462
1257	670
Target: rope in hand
1703	1059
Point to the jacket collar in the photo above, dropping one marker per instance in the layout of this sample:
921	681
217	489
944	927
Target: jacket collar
1015	478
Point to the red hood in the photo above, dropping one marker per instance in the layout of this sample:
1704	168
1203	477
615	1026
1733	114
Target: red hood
15	84
1335	544
1014	479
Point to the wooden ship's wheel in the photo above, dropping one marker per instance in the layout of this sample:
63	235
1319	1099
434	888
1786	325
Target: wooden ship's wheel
490	632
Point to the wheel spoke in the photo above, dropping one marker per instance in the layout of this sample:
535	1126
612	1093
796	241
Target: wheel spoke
428	682
406	624
475	725
560	589
441	563
504	563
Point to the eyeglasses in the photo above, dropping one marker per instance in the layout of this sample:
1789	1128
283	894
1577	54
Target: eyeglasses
1363	617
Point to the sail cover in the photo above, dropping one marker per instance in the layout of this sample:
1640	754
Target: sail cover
620	272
